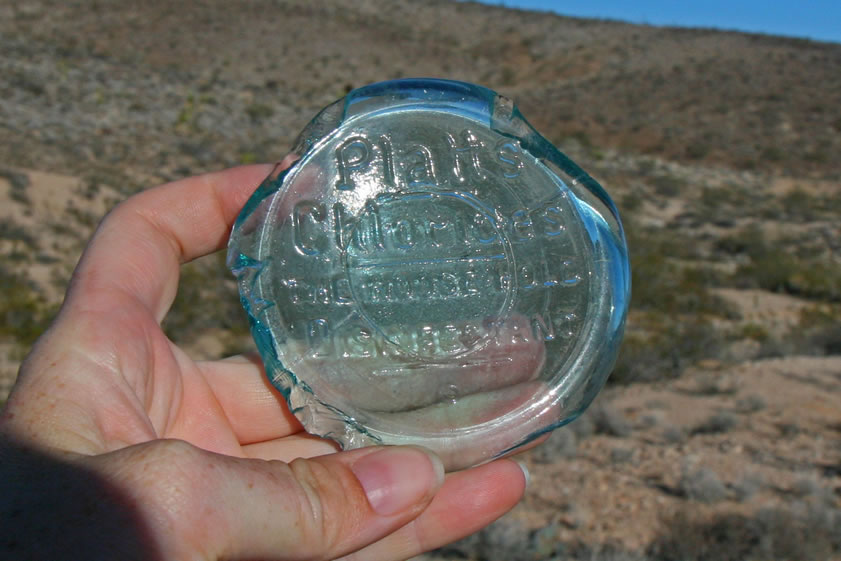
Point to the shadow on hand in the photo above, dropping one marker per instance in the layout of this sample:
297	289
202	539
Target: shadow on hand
53	509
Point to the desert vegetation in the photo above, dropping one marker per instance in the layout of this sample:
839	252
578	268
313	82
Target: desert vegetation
719	434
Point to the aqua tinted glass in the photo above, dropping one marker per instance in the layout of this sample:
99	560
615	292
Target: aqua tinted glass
432	271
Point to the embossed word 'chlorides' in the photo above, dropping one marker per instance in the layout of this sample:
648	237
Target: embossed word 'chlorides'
430	270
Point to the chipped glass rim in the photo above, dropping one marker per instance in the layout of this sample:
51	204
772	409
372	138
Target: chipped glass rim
501	116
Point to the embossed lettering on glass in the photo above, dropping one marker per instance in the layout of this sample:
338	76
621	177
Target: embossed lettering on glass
432	271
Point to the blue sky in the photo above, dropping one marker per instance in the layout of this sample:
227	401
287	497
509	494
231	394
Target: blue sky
815	19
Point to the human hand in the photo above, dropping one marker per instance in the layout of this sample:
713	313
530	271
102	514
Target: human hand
116	445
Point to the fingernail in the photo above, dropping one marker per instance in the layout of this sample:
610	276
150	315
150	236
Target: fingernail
526	473
397	478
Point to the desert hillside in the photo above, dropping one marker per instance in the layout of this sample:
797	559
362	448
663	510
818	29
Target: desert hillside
719	436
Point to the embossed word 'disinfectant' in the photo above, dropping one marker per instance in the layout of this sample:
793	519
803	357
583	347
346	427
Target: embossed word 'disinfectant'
432	271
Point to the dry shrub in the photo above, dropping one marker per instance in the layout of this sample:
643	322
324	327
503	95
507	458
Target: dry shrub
664	349
719	422
702	485
608	420
797	532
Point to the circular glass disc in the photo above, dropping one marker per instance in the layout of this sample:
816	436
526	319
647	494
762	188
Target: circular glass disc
432	271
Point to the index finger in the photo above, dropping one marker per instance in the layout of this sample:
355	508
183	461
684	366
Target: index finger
137	249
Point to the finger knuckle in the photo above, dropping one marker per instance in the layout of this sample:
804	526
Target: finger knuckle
327	495
164	479
119	212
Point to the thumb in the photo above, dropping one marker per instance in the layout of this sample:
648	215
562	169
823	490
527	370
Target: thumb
205	505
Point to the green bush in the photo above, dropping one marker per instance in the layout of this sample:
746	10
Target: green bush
772	268
777	271
663	283
24	314
672	308
668	185
259	111
819	329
